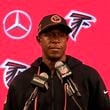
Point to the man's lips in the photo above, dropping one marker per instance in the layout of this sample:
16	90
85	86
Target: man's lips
54	48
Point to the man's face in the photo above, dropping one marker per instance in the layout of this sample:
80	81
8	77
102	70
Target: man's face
53	43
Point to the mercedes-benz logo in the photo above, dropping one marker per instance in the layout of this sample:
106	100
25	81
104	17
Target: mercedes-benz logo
17	24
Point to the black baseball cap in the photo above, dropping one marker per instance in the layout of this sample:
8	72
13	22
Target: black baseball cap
53	20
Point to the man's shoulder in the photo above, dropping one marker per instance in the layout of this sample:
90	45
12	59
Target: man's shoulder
78	65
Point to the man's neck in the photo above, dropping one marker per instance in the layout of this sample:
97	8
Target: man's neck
51	63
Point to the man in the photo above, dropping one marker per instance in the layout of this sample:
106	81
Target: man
61	95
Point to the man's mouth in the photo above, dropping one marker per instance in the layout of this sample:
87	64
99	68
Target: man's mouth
54	48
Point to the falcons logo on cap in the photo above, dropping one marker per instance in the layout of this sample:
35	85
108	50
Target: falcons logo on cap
77	21
12	69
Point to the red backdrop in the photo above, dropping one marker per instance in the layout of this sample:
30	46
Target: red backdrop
18	29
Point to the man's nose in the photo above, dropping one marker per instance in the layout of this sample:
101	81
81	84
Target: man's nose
55	39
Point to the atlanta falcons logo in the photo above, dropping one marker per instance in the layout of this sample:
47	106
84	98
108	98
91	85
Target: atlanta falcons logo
12	69
79	20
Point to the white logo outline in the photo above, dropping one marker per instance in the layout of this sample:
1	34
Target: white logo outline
17	24
72	19
105	92
3	65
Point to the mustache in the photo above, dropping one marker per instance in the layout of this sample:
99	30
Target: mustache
55	47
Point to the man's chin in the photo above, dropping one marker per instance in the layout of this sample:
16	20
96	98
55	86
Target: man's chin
54	57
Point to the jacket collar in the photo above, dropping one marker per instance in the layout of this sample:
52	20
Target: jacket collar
70	61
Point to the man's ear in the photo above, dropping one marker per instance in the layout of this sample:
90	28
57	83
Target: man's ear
38	38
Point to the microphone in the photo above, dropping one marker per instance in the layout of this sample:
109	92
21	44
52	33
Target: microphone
41	80
63	72
41	83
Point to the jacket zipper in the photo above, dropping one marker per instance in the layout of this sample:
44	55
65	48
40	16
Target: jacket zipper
52	91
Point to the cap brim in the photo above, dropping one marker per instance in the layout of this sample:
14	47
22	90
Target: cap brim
65	28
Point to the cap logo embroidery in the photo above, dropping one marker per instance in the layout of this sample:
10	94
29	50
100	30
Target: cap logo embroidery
56	19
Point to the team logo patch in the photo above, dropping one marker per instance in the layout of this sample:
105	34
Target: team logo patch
12	69
77	21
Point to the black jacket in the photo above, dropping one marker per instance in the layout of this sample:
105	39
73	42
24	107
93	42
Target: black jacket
86	78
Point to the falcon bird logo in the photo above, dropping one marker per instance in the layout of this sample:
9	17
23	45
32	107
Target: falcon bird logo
78	20
12	69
